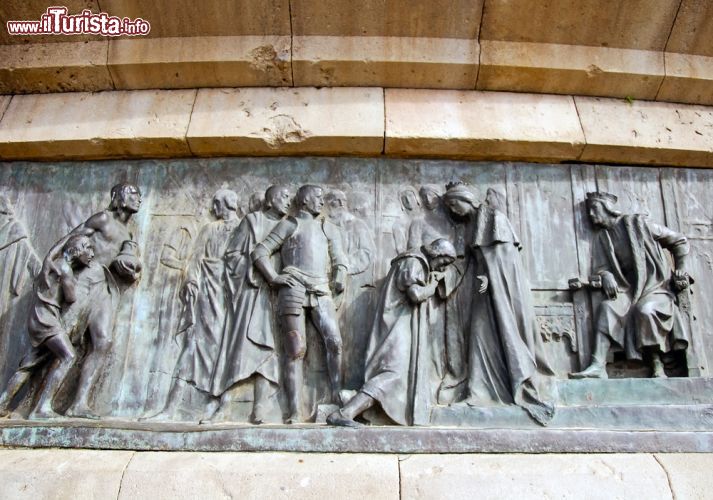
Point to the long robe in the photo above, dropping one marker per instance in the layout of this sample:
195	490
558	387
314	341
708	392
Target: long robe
644	314
503	366
248	343
18	258
204	320
390	376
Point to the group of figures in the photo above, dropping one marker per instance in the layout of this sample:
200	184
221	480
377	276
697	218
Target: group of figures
255	286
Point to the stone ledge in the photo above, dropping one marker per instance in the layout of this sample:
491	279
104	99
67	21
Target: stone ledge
385	62
287	121
356	121
230	61
482	125
54	67
96	125
132	435
618	131
570	69
688	79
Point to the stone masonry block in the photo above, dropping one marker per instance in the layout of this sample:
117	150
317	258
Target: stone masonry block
618	131
385	62
54	67
533	477
403	18
570	69
688	79
693	31
187	62
97	125
61	474
482	125
688	474
171	18
246	476
634	24
287	121
31	10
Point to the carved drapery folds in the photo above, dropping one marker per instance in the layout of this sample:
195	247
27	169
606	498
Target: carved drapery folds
352	291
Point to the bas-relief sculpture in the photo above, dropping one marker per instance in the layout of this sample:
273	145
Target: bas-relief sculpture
283	313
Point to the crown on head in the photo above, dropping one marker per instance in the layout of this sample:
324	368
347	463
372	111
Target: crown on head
602	196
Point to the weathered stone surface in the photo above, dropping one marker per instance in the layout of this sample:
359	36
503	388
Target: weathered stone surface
646	132
62	474
187	62
420	18
287	121
99	125
385	62
688	78
54	67
170	18
569	69
31	10
688	474
4	103
635	24
481	125
522	476
260	475
693	31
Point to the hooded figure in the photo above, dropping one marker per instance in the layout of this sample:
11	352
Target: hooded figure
400	326
503	364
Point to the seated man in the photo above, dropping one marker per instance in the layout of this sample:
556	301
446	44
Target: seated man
639	314
400	320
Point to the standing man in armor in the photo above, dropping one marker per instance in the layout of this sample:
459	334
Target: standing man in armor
311	256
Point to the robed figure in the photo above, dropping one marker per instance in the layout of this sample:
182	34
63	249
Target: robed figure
505	362
203	314
639	314
400	328
248	343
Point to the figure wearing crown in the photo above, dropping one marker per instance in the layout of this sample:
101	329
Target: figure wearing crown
639	314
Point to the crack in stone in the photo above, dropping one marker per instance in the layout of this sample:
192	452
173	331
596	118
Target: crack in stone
123	473
668	476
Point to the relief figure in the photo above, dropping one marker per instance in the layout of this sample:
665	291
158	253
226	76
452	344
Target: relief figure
410	206
203	296
639	314
19	265
313	272
401	320
78	290
504	365
247	347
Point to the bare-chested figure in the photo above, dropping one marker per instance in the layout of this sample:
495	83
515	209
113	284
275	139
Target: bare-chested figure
115	253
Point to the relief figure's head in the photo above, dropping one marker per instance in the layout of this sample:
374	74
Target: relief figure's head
225	204
277	198
310	198
125	197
